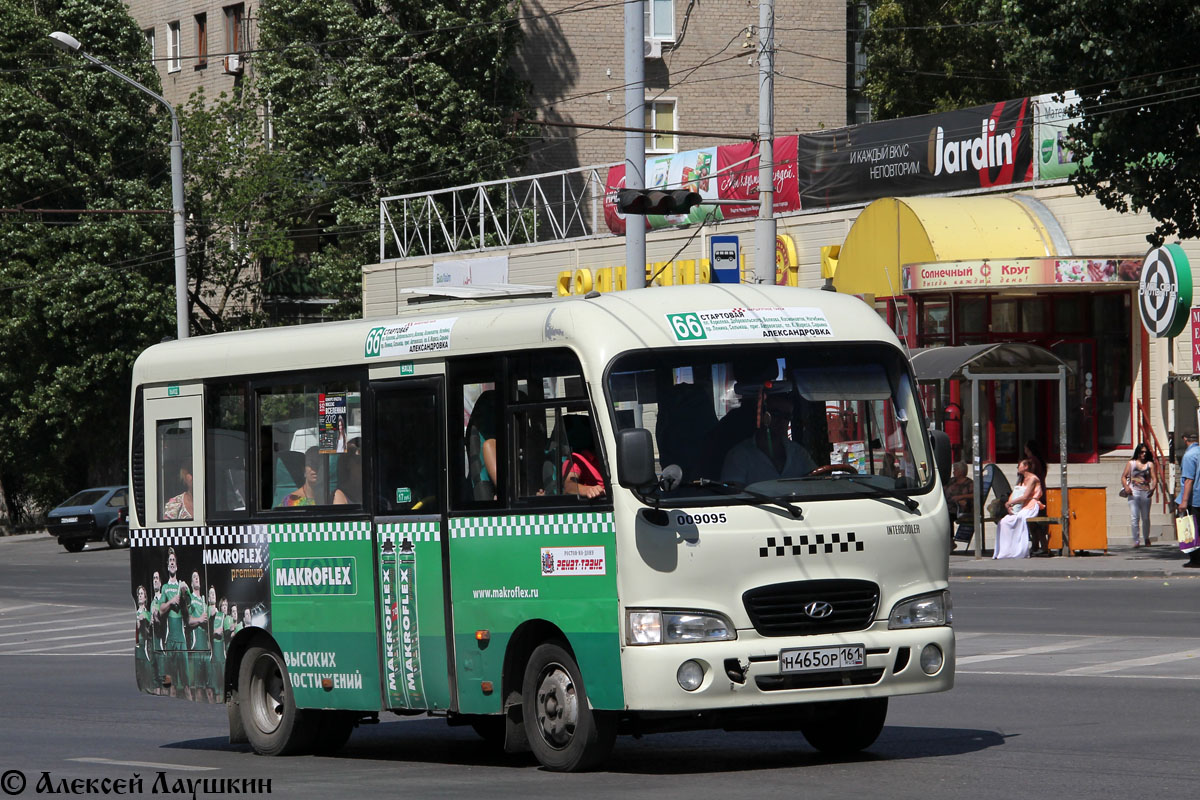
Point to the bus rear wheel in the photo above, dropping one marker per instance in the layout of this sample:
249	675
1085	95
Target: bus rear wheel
565	734
274	726
846	727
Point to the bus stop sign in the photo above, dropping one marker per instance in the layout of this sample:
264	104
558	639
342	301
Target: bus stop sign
723	255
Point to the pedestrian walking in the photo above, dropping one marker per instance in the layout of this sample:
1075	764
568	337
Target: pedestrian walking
1137	484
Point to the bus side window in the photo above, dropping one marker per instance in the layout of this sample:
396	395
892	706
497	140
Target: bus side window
174	449
225	442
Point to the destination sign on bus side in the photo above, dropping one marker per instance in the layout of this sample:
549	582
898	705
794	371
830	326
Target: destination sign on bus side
750	323
409	338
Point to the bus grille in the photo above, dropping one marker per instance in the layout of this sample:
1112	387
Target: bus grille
779	609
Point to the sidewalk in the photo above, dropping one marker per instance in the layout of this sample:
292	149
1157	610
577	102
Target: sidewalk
1123	560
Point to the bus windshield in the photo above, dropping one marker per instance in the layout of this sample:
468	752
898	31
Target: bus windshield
832	421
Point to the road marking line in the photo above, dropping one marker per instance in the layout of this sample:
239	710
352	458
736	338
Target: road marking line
33	634
68	655
79	627
1031	674
1148	661
1037	650
109	642
146	764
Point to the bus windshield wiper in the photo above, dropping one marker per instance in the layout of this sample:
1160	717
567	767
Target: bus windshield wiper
737	488
909	503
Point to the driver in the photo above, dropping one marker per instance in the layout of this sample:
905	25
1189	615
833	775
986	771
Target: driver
769	453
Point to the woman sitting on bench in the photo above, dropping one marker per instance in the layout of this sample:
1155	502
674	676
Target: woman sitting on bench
1012	535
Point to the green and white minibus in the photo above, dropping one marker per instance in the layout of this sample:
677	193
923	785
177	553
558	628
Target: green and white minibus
555	520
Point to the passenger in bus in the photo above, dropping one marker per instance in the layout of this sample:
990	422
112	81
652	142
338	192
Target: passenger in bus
349	485
306	494
750	373
769	454
581	471
481	446
180	506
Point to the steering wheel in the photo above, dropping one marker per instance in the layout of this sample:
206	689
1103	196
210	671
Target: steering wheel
825	469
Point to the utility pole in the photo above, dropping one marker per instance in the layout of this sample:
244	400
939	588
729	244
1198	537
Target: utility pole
764	229
635	146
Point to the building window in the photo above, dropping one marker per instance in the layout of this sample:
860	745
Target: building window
149	34
660	114
233	27
173	47
660	20
201	41
858	19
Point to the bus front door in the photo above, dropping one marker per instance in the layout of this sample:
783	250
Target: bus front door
410	542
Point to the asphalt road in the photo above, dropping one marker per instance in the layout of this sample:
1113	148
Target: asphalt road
1066	688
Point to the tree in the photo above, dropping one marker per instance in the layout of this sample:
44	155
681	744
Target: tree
241	195
935	55
380	97
1136	143
81	294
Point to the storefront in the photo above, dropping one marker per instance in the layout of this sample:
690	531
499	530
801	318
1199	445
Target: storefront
985	270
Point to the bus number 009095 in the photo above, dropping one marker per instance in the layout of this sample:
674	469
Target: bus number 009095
700	519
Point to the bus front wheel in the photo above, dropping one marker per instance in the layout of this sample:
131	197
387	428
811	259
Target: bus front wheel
847	726
274	726
565	734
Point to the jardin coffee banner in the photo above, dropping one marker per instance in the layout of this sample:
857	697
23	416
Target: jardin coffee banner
957	150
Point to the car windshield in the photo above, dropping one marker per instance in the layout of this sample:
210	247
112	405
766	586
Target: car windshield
85	498
786	421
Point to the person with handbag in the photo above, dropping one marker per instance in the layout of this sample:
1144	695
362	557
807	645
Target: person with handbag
1137	484
1188	501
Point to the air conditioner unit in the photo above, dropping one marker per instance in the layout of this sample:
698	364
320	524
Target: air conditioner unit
652	48
233	64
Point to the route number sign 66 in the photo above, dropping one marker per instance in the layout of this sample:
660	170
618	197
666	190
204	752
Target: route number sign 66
687	326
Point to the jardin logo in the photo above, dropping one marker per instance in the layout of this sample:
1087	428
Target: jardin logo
314	576
374	344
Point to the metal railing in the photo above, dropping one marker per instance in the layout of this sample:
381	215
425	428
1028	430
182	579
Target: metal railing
550	207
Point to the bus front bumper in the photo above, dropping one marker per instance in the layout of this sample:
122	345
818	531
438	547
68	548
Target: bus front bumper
748	671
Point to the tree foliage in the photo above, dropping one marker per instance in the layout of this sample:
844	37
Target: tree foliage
935	55
1136	143
380	97
80	294
241	196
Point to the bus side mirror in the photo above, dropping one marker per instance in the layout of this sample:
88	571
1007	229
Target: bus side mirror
941	454
635	458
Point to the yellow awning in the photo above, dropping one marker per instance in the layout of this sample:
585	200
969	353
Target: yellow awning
893	231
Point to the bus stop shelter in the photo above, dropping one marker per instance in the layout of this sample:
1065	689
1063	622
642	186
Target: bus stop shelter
1000	362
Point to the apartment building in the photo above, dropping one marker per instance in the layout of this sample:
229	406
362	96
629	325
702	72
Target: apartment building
197	43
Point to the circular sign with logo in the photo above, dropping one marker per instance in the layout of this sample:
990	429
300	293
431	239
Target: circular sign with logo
1165	291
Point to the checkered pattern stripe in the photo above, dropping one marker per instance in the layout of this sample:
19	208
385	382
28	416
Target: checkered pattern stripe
413	531
209	535
321	532
827	543
530	525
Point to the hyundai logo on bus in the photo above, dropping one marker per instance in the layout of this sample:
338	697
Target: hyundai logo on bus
818	609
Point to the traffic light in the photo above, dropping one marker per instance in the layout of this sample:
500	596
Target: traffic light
656	201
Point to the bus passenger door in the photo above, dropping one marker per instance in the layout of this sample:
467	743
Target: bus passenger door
410	542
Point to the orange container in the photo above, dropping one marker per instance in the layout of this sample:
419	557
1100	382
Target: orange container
1089	518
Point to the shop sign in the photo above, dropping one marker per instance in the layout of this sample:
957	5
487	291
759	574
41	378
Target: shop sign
1196	341
1165	291
1018	272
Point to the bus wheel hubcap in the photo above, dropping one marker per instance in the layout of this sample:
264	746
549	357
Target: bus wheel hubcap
557	704
266	691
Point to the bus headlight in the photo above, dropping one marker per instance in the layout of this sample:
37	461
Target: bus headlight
673	627
923	611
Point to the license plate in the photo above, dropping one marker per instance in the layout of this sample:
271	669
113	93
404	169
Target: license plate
819	659
65	520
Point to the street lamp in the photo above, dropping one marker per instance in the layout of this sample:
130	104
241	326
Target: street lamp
71	45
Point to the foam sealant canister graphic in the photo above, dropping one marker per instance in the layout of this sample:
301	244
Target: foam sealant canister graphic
402	651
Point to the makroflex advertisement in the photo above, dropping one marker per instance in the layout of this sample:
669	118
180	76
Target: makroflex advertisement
967	149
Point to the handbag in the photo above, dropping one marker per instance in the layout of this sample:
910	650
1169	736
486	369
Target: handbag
1185	533
1123	493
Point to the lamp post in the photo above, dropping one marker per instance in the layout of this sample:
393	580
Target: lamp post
70	44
